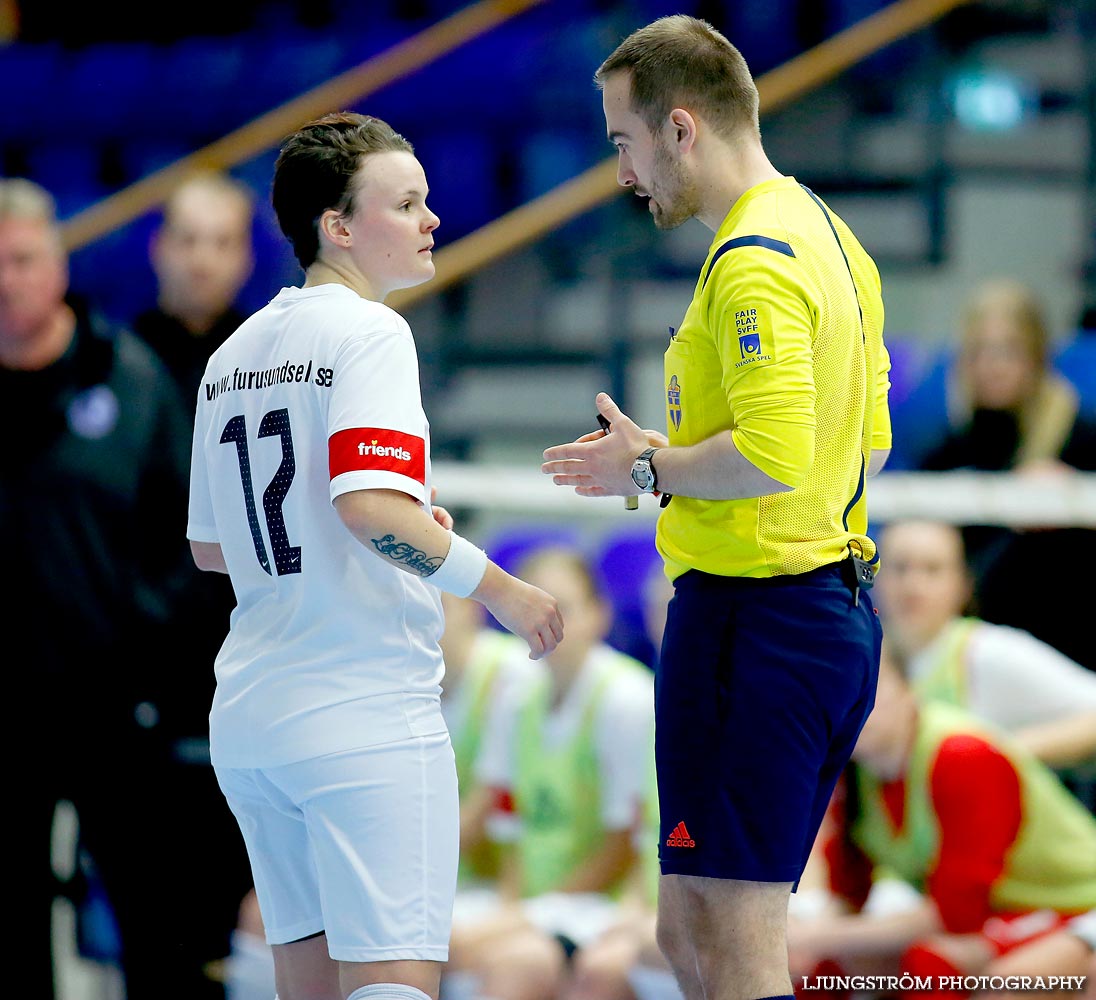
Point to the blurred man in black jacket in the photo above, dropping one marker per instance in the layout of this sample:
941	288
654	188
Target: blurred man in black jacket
100	587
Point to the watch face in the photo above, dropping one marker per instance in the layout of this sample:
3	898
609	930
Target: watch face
642	476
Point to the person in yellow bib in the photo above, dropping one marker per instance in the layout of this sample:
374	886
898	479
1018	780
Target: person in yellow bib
1003	675
566	758
1001	851
776	401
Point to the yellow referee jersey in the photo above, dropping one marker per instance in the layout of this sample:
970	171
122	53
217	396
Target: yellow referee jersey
782	344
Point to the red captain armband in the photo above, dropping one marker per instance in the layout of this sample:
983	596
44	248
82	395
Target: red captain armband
375	449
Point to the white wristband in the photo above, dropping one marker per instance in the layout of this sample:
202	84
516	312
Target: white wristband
463	568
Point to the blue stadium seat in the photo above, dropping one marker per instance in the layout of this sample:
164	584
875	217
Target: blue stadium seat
280	68
549	158
198	84
842	14
765	33
111	89
31	80
1076	359
510	546
461	169
141	156
917	401
70	171
626	561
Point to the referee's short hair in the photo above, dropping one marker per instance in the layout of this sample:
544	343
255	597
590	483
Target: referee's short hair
683	62
315	170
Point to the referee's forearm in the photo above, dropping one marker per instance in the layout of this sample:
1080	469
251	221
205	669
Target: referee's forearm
713	470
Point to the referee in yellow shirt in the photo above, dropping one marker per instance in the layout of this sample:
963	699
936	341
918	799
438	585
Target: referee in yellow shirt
776	390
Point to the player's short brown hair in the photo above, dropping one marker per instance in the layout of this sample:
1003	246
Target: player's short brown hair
683	62
315	171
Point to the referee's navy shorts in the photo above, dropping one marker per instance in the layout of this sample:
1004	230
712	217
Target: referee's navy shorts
761	691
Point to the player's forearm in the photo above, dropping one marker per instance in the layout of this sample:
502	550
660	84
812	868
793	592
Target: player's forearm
712	470
1062	742
393	526
604	869
858	935
474	811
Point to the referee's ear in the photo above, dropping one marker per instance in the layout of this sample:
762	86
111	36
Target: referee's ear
683	130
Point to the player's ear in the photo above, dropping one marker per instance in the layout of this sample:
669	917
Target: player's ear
683	129
333	228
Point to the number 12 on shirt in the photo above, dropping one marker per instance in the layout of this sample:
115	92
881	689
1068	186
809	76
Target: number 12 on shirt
287	558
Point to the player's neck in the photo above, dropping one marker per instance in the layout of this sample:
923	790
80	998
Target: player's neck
196	321
324	272
912	642
564	671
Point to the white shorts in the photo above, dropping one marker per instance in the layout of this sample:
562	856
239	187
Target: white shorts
360	845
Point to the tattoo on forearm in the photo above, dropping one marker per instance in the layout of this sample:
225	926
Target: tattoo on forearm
411	557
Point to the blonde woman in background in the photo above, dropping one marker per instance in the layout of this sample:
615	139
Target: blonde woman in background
1010	411
1007	407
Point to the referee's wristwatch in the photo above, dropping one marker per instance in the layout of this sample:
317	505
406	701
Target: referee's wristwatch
643	472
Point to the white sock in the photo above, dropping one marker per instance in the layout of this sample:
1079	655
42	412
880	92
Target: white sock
388	991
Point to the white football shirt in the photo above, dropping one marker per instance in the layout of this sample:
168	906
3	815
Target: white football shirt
330	647
1014	680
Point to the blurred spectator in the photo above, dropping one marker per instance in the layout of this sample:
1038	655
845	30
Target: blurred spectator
1010	411
1000	674
566	756
93	512
1002	853
1070	951
202	256
480	664
1007	408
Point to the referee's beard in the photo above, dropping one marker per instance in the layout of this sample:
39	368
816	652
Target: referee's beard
675	194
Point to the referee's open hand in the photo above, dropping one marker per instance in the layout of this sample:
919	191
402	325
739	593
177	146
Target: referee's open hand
599	464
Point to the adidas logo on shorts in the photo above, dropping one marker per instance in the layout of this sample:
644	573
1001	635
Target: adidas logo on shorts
680	837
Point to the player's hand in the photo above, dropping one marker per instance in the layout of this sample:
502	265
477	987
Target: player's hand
440	514
655	439
599	464
521	608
